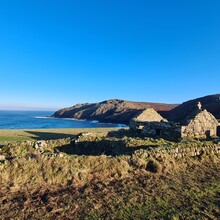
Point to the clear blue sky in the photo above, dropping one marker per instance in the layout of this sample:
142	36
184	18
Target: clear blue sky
57	53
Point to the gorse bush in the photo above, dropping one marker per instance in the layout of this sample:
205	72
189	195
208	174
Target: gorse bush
153	166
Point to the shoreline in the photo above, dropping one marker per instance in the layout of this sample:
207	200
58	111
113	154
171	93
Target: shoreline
91	121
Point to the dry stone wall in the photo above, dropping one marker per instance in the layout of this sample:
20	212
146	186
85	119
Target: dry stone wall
166	130
181	151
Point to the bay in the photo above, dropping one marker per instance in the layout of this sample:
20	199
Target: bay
39	120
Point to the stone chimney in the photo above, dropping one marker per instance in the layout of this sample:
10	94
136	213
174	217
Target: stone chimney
199	105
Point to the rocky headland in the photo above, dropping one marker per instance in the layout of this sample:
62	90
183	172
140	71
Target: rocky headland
121	111
111	111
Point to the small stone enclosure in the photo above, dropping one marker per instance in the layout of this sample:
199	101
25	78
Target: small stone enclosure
199	124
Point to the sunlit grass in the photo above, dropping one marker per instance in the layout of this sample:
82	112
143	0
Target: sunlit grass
7	136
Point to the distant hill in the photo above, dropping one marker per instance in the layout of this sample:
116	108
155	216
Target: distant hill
112	111
211	103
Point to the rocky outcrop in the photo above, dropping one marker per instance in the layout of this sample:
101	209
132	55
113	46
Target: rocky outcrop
113	111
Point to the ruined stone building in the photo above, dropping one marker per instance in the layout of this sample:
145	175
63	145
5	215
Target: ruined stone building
148	115
199	124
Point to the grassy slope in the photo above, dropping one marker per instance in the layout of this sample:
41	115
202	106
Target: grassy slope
108	187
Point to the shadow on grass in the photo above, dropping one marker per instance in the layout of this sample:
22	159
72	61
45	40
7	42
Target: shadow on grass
121	133
103	147
93	148
37	135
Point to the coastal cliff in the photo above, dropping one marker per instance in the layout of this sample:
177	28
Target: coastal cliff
111	111
120	111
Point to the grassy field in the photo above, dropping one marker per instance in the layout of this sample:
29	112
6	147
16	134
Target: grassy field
7	136
108	175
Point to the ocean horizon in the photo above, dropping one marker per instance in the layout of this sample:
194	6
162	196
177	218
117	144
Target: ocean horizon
31	119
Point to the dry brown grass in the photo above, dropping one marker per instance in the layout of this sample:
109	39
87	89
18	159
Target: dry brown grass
134	185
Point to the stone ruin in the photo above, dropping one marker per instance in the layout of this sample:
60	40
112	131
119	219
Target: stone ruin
146	116
199	124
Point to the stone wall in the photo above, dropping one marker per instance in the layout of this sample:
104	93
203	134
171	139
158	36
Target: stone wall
182	151
135	126
166	130
55	148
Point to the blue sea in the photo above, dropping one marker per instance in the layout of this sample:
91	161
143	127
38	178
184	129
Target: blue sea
40	119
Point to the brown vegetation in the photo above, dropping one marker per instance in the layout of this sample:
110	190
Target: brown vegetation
118	176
